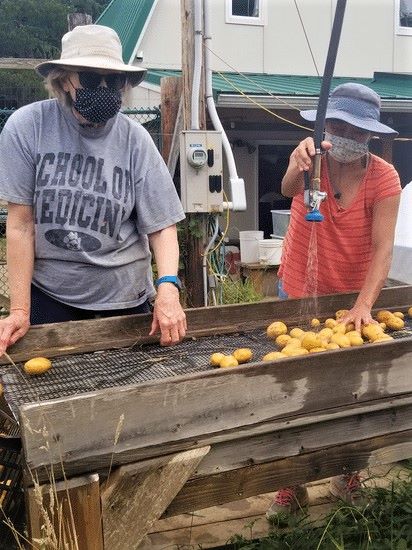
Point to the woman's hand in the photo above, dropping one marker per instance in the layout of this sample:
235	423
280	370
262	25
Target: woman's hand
302	156
13	327
168	316
359	315
300	161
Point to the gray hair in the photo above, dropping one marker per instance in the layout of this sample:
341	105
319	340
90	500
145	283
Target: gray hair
54	84
55	78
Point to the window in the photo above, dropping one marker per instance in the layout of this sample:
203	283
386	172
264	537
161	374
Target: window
403	16
245	12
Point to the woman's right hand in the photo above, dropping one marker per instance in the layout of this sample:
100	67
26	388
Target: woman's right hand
302	156
12	328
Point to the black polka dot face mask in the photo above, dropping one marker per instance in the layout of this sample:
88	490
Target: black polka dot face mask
99	104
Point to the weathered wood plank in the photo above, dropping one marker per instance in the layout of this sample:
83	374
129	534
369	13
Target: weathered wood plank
205	405
77	522
132	501
257	479
211	527
116	332
20	63
234	454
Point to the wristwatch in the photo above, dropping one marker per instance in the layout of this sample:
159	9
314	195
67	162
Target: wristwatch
174	279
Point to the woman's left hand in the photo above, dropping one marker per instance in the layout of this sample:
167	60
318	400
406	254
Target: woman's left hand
168	316
359	315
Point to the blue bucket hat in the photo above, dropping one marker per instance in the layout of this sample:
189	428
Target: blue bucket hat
355	104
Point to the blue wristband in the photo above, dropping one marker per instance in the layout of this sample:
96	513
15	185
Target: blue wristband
170	279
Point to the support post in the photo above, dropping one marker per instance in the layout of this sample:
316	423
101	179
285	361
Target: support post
65	514
136	495
170	95
194	245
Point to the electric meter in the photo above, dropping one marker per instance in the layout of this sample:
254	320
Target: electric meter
201	177
197	155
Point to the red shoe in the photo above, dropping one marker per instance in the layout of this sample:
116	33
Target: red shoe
347	487
288	501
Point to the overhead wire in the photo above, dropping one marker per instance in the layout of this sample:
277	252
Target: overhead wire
307	38
267	92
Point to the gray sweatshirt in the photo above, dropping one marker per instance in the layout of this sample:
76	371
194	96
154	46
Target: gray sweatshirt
96	194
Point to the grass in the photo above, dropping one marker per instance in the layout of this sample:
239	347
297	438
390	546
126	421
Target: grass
384	523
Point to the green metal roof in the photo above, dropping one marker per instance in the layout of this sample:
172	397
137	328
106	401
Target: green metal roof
128	18
387	85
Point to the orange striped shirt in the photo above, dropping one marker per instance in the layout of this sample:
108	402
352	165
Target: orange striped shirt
344	238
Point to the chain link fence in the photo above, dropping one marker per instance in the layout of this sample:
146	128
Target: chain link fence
149	118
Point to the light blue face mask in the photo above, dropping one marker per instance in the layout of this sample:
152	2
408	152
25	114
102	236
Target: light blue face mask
345	150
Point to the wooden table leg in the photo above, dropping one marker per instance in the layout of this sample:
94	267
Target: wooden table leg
67	511
136	495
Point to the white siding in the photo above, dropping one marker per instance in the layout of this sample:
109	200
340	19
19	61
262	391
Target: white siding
368	43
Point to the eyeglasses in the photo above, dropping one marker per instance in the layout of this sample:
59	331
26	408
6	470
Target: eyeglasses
92	80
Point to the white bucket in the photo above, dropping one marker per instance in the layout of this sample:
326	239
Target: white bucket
249	246
270	251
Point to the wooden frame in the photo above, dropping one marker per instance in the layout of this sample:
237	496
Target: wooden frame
253	429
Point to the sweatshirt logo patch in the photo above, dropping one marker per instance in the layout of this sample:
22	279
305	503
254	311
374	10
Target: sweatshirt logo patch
72	240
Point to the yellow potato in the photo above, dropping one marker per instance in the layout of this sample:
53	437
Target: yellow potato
276	329
215	359
354	339
273	356
383	326
410	312
341	339
317	350
382	315
399	314
242	355
292	352
383	338
332	345
340	328
341	313
330	323
350	327
1	390
297	333
282	340
395	323
228	361
37	365
315	323
353	333
325	334
372	331
311	340
295	342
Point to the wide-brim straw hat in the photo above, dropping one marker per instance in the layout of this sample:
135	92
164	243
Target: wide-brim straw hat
355	104
93	47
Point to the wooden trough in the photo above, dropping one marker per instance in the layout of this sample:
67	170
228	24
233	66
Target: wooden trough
127	456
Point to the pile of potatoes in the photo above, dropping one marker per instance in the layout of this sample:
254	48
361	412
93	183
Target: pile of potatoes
332	335
240	355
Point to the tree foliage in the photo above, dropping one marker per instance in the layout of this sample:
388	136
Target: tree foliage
33	28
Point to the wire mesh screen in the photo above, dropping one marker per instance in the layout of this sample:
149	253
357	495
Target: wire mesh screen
77	374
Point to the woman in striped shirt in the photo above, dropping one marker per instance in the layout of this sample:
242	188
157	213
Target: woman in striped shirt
354	242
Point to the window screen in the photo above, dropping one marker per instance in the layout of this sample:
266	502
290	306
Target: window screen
245	8
405	13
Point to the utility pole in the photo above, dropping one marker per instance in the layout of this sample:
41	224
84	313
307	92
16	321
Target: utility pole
195	223
77	19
